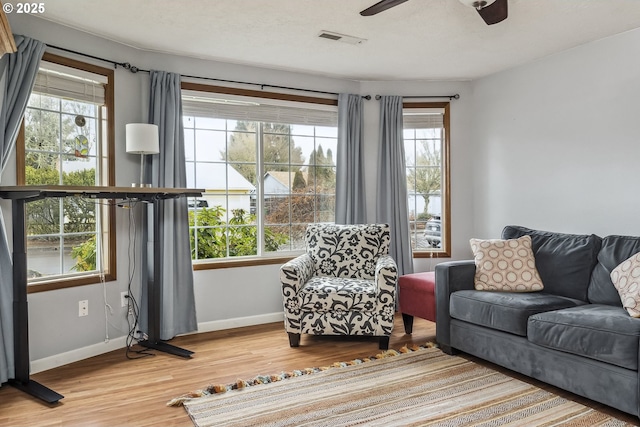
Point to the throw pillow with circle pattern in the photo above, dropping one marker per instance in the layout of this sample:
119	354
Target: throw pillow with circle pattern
626	279
505	265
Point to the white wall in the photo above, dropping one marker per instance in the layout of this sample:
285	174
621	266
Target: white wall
556	143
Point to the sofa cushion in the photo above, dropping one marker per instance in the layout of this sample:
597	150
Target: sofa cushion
615	249
504	311
322	294
626	280
505	265
564	261
601	332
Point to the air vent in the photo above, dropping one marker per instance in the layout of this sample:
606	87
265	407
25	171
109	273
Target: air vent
341	37
329	36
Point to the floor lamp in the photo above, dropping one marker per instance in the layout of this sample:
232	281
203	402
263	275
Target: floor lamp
142	138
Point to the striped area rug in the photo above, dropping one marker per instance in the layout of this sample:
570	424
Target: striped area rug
419	387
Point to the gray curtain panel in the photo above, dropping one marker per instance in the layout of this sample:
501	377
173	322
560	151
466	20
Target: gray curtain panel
350	187
391	205
17	76
178	311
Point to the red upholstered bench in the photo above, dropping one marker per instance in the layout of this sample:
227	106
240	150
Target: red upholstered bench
417	297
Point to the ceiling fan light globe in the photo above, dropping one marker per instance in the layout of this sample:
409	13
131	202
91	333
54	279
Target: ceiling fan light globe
477	4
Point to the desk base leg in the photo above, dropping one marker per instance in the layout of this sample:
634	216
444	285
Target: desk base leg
167	348
37	390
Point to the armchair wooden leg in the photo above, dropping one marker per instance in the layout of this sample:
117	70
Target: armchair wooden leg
384	343
294	339
407	319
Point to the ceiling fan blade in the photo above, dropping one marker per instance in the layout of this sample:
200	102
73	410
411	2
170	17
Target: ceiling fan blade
495	12
381	6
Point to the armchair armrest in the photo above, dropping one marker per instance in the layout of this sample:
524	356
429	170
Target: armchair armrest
450	277
386	276
295	273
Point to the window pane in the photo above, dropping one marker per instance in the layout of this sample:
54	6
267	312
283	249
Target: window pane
307	146
326	208
209	242
279	238
303	208
42	130
41	168
277	209
210	145
278	149
428	153
80	253
43	217
243	240
242	143
79	215
189	144
45	256
78	171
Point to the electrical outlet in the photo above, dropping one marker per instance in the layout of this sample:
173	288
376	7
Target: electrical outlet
83	308
124	299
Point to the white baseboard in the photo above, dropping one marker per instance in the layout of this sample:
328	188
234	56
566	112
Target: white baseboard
61	359
76	355
239	322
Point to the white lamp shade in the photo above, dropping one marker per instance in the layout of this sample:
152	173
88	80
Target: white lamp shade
142	138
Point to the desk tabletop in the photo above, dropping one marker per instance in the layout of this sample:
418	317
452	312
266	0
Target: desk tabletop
102	192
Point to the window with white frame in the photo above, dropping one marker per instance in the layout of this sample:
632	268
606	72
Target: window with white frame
66	143
268	170
426	155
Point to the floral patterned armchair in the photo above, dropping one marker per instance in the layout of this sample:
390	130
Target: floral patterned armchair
345	284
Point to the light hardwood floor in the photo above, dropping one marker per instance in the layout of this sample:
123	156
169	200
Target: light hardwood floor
110	390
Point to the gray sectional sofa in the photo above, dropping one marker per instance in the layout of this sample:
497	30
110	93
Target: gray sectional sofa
574	334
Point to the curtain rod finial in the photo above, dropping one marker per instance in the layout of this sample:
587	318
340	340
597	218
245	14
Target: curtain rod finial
367	97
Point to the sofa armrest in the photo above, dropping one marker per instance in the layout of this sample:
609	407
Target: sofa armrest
450	277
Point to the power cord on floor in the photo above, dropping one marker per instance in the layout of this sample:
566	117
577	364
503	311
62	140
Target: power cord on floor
133	309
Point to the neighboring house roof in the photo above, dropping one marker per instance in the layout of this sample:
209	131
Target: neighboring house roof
285	178
212	177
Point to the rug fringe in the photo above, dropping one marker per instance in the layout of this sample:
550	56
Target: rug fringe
265	379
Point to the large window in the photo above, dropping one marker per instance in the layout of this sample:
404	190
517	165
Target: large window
66	142
267	167
426	130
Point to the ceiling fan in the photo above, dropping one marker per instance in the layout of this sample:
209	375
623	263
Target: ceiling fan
492	11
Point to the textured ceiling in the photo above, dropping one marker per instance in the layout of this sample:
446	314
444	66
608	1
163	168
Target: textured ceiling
417	40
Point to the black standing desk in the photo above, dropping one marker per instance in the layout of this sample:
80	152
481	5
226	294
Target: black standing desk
20	196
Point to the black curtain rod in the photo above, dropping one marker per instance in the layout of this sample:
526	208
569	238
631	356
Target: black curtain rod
456	96
134	69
